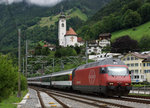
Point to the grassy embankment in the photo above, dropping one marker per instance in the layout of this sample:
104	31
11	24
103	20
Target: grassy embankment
135	33
10	102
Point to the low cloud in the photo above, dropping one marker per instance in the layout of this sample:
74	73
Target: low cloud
35	2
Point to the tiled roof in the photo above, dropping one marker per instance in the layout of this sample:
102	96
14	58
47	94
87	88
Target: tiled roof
92	42
71	32
45	46
143	56
105	34
80	39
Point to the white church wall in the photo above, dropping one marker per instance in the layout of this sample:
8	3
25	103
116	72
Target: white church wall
71	40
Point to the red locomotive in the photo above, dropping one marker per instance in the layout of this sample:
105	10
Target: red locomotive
109	77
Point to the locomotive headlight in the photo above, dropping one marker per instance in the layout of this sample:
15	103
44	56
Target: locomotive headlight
110	84
127	84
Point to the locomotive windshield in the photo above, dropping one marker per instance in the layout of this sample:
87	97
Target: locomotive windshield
117	71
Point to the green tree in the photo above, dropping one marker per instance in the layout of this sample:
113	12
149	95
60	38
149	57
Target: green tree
145	12
38	49
45	51
78	49
8	77
111	23
131	19
68	51
145	43
124	45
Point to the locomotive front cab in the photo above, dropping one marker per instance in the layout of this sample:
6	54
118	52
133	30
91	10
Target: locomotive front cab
116	80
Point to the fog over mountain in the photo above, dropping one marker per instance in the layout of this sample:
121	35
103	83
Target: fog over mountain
36	2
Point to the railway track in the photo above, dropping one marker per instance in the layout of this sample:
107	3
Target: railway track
136	96
41	100
101	102
82	99
137	99
129	99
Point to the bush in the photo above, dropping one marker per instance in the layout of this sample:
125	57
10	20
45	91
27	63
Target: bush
23	83
8	77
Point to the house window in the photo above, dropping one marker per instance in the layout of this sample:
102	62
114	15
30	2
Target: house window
132	65
144	64
62	25
128	65
132	71
148	64
136	77
145	71
136	71
142	76
128	58
136	64
132	58
136	58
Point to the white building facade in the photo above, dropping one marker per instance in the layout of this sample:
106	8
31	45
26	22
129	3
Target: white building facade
62	30
96	46
67	38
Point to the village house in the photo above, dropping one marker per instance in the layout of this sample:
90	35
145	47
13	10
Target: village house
139	65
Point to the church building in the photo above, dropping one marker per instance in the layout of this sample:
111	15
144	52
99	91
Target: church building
67	38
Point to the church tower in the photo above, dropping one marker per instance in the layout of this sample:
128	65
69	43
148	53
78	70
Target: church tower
62	29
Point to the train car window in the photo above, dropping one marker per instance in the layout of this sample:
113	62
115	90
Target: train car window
61	78
46	79
102	70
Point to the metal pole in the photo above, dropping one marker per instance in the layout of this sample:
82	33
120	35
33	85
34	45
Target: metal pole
86	53
53	64
26	58
19	62
23	66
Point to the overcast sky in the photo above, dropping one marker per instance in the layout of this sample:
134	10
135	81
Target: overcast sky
36	2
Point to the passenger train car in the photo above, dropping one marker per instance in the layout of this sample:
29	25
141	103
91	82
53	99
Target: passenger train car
109	77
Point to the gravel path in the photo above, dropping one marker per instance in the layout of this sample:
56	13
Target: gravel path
33	101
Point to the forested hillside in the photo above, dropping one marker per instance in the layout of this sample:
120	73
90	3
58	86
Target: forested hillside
39	23
117	15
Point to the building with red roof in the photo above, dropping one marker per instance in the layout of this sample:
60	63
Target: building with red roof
67	38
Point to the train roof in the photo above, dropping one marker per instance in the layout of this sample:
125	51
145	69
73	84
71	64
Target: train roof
62	72
108	61
33	78
53	74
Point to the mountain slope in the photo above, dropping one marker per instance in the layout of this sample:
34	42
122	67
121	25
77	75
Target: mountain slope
117	15
51	20
24	16
135	33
